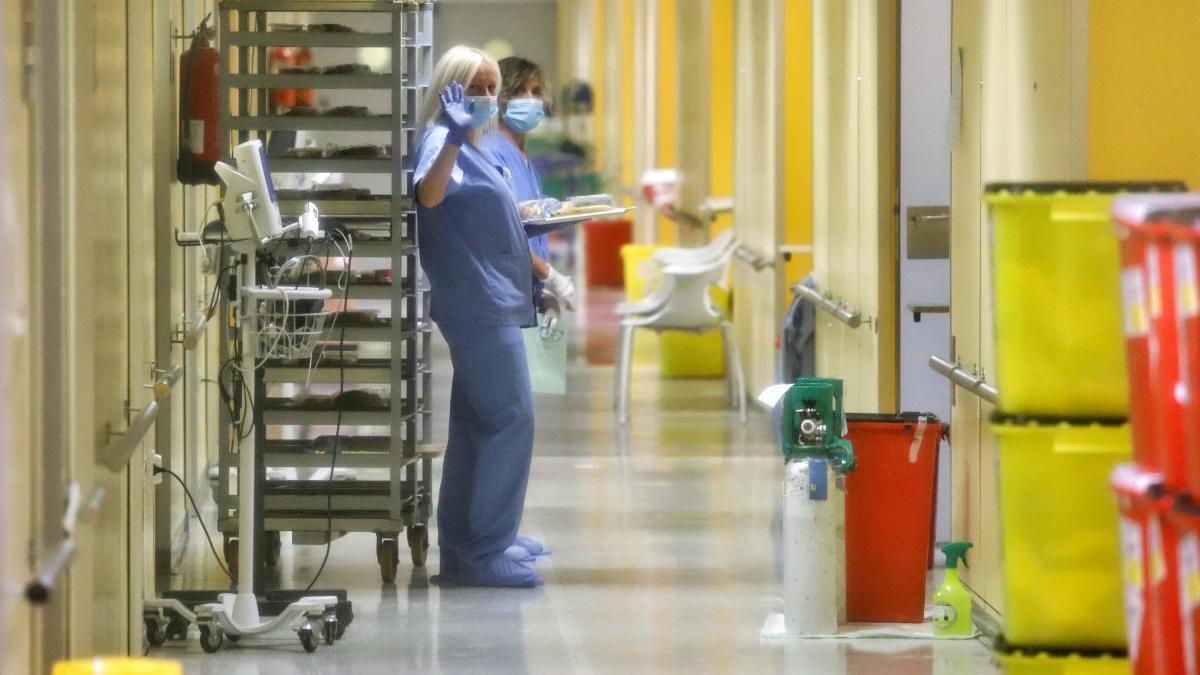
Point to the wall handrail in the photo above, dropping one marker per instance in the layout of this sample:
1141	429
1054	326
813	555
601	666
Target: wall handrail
968	381
39	589
114	457
851	317
759	261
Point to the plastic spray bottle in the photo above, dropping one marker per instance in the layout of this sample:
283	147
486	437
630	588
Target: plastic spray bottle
951	600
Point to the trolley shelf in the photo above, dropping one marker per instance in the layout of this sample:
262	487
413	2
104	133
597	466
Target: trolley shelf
306	39
318	165
311	6
349	418
341	208
332	371
312	81
345	460
366	291
310	123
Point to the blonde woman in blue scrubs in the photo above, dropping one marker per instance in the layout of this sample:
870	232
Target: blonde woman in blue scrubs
475	253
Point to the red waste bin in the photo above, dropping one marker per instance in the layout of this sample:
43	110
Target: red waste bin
1180	217
1186	518
1152	339
602	242
1150	554
889	515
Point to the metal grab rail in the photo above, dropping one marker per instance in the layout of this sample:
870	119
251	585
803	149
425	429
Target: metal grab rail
39	589
852	318
755	259
115	456
192	337
968	381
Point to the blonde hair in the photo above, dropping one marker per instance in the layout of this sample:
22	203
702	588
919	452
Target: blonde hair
458	64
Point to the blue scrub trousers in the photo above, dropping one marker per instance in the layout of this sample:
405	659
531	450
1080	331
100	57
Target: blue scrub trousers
490	445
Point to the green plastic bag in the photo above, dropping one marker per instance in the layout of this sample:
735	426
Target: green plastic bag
546	353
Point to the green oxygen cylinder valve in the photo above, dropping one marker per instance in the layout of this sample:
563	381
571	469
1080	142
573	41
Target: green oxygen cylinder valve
955	551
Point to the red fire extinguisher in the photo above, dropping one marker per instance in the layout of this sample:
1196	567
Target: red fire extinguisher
199	109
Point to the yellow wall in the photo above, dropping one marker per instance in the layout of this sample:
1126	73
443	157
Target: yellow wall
1143	91
721	92
797	136
666	80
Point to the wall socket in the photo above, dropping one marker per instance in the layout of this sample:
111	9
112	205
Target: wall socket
153	461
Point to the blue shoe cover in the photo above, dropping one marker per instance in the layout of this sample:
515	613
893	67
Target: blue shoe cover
497	571
533	546
518	554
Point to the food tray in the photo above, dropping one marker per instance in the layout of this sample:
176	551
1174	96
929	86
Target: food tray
540	226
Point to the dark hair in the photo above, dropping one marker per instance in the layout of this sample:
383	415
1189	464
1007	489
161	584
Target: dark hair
515	72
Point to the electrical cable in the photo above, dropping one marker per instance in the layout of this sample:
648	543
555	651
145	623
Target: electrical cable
337	431
211	546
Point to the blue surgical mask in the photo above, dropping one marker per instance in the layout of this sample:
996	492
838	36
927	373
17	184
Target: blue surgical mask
485	109
524	114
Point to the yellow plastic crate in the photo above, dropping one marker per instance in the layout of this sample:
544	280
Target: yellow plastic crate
681	354
1061	551
117	666
1060	348
1044	664
696	355
641	277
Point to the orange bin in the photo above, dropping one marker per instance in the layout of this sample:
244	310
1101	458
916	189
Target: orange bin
602	241
889	515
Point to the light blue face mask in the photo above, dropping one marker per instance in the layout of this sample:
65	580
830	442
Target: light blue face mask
485	109
524	114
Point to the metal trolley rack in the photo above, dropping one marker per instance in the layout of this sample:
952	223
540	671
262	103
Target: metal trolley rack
381	440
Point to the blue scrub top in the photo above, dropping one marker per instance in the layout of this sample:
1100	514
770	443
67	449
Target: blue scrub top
525	178
473	247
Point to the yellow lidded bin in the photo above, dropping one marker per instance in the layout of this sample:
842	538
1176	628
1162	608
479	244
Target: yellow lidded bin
117	666
1045	664
1056	288
1061	548
682	354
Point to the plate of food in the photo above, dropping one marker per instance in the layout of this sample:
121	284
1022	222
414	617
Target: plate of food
546	215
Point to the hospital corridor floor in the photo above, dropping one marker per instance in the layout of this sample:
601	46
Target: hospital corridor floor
663	558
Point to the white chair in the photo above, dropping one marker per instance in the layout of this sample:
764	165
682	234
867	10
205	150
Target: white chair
711	251
681	302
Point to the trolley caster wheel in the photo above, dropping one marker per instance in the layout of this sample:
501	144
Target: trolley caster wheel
274	549
388	553
231	554
329	630
418	544
156	631
177	629
211	639
308	638
234	638
341	630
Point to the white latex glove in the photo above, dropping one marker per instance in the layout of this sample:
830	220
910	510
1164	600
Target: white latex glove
561	286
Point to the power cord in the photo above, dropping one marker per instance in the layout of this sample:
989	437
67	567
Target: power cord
341	399
195	509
